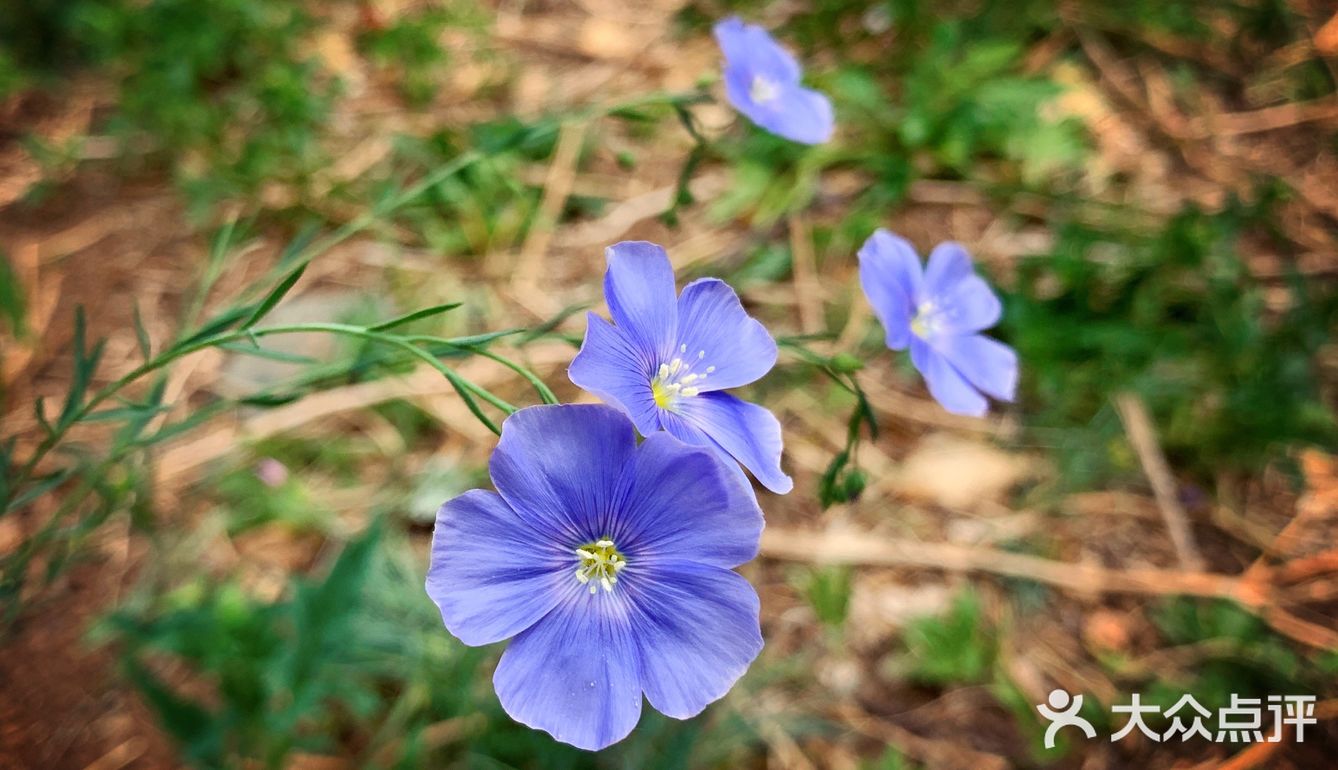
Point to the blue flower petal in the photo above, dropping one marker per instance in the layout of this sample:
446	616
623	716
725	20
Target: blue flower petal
762	82
491	574
987	364
712	321
890	274
946	384
748	46
746	432
686	503
639	287
967	308
949	265
560	467
610	366
794	112
576	673
697	630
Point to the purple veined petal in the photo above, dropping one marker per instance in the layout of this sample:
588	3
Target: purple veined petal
559	467
721	343
967	308
575	674
611	367
946	385
949	265
491	574
989	365
686	503
697	631
890	275
748	46
639	289
746	432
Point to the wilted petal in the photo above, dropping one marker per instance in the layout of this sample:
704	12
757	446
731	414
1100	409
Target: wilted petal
697	630
715	331
614	369
639	287
744	431
988	364
946	384
685	502
491	574
889	274
969	307
949	264
575	674
559	467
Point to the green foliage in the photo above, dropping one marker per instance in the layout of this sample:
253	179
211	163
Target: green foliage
828	592
1174	316
223	90
13	303
357	656
890	760
1242	655
412	48
964	101
957	648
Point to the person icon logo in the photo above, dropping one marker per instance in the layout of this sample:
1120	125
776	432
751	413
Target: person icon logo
1062	711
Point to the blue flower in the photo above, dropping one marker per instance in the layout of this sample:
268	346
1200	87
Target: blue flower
762	82
939	313
611	566
669	359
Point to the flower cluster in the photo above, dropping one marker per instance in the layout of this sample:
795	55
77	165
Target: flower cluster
608	563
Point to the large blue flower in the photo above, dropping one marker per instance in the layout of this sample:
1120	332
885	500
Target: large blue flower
611	565
668	360
939	313
762	82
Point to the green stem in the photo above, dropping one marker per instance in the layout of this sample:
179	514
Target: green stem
466	388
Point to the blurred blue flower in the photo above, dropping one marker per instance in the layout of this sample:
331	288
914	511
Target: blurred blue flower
611	566
669	359
939	313
762	82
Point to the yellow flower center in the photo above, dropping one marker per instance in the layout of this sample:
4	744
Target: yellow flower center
598	565
676	379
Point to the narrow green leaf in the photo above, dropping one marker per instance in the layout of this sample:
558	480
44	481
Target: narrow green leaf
219	323
417	315
39	488
470	341
142	335
277	293
196	418
150	408
39	411
273	355
85	364
13	305
124	413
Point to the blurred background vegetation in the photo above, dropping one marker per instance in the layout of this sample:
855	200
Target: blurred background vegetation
222	566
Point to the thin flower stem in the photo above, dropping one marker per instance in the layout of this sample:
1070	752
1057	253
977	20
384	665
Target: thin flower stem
463	386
